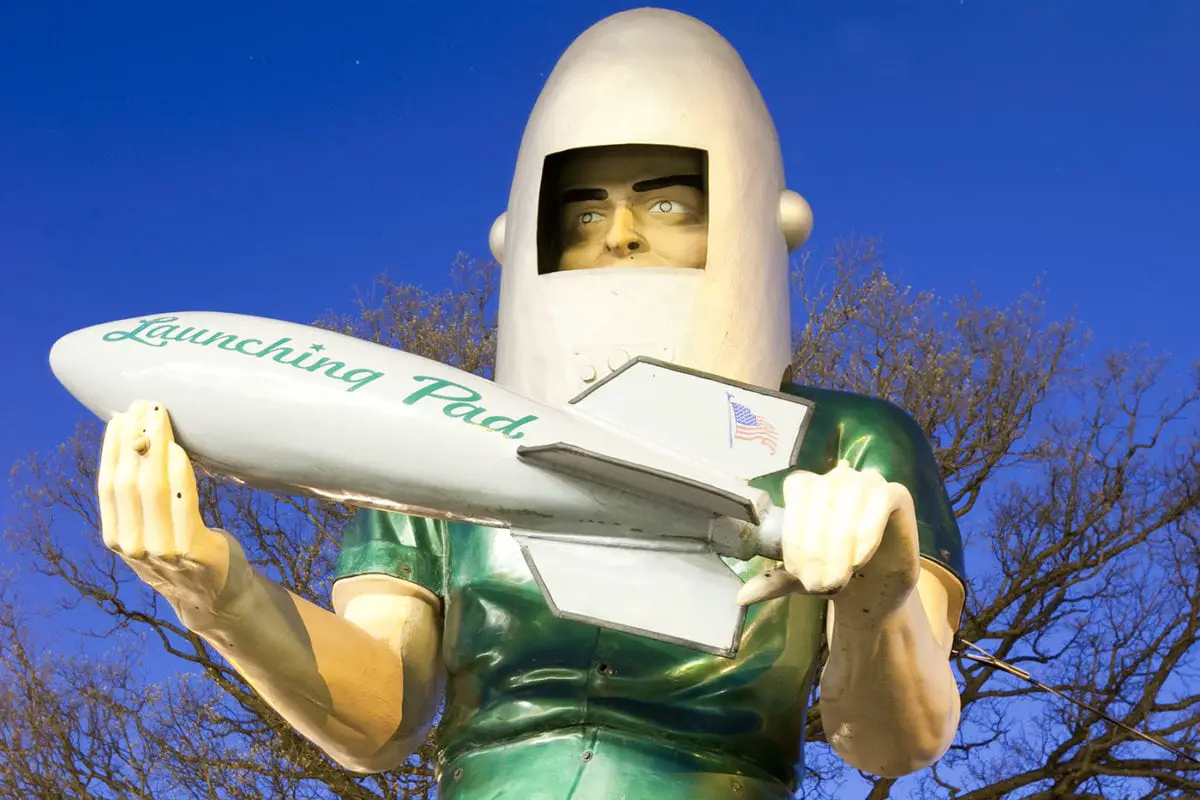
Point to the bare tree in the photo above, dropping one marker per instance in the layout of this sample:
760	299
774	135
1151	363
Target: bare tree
69	725
203	733
1076	479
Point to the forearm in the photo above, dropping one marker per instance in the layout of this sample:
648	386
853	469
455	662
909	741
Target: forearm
338	686
889	701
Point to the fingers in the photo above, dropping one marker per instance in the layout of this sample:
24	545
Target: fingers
767	586
128	500
801	538
845	533
872	522
134	483
183	497
150	513
901	548
835	524
822	530
106	483
152	443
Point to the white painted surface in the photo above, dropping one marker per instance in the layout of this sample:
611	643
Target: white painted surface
683	597
676	82
655	402
358	430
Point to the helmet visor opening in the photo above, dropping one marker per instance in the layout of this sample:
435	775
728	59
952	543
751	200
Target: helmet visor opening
632	205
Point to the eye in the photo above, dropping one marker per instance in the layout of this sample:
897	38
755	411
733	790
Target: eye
589	217
668	207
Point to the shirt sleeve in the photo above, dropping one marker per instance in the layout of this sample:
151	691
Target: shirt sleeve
384	543
873	434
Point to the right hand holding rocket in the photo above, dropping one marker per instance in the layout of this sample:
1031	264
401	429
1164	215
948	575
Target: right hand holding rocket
150	516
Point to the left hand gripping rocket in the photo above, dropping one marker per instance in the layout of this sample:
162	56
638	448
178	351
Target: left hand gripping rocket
623	501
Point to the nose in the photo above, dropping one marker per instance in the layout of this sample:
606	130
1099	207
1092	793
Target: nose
623	238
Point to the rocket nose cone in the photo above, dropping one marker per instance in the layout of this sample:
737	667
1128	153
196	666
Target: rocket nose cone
60	355
68	356
81	370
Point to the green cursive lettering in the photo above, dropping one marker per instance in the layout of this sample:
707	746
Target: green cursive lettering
507	425
436	385
135	334
357	383
160	331
462	402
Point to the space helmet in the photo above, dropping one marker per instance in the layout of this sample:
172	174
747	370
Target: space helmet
649	78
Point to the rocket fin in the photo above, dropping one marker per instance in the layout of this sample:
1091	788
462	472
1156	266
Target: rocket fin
639	479
670	590
745	431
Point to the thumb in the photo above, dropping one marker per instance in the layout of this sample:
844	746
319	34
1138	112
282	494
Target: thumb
767	586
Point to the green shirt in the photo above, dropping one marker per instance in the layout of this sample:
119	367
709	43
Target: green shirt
539	707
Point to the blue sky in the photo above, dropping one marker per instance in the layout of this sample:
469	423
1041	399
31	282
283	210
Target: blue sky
270	158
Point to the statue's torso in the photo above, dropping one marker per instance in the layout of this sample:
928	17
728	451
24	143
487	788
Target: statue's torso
539	708
541	691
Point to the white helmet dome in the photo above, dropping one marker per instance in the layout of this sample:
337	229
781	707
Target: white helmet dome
652	77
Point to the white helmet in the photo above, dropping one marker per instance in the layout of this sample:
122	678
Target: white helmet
652	77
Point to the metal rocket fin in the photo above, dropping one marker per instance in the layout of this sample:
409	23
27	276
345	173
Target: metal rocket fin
640	479
744	431
674	591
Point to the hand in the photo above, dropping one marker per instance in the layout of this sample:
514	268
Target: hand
150	514
848	535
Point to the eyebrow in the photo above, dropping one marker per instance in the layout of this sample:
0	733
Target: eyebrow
648	185
583	195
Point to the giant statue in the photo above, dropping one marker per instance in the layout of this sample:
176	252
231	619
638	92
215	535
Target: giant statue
648	222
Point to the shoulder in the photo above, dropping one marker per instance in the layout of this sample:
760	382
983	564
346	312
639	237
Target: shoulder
872	433
847	425
843	404
373	525
398	545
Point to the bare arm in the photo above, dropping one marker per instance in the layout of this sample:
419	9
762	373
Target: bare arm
889	701
362	684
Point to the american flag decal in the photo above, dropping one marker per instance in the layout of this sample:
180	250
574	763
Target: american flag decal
750	427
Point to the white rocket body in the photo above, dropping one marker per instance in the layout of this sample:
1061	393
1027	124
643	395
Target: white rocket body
622	500
654	77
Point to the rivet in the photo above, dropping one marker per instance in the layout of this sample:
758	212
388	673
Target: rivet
458	774
617	358
587	755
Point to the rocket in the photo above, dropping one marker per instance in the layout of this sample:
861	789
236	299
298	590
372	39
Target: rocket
623	500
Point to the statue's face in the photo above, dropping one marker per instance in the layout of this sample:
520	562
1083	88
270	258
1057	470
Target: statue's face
632	206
